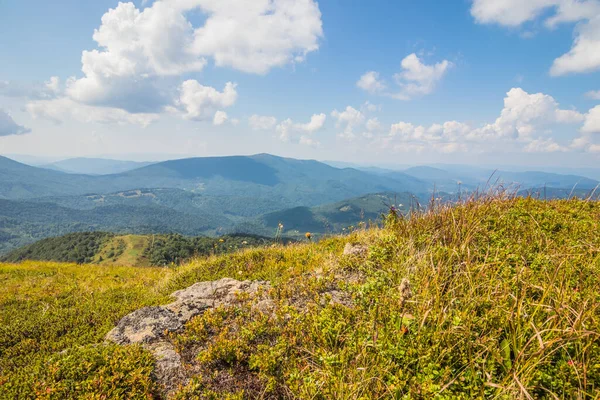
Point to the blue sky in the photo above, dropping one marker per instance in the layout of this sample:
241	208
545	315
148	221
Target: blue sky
482	82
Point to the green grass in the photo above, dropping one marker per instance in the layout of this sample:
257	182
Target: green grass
502	302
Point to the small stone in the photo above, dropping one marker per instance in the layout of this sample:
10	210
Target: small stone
355	250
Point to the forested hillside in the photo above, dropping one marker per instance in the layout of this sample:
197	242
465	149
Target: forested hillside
133	250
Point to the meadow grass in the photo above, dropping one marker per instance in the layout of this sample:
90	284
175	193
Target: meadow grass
494	298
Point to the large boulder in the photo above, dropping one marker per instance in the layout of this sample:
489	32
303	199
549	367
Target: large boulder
149	326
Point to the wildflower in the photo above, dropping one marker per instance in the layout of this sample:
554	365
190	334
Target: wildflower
244	242
221	240
308	235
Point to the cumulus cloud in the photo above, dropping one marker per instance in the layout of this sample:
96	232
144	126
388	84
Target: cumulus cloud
373	125
541	145
9	127
593	94
261	122
136	47
31	91
256	36
369	107
289	131
58	110
198	102
220	118
53	85
524	113
592	121
415	79
142	53
348	120
316	122
525	121
584	55
371	83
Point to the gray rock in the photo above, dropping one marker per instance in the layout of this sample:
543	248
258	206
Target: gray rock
168	369
145	325
149	326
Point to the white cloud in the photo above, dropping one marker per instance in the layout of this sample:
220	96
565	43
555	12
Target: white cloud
58	110
523	114
53	85
288	130
348	119
255	36
30	91
373	125
316	122
415	79
508	12
141	53
543	146
371	83
220	118
593	94
135	47
260	122
592	121
594	148
9	127
521	122
308	141
584	55
370	107
580	143
198	102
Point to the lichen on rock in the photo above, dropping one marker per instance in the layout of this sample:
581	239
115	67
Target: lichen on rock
150	326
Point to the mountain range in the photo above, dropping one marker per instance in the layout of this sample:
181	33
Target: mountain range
242	194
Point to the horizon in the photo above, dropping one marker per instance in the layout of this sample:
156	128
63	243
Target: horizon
370	84
584	172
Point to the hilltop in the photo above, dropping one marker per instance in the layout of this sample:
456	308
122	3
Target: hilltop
496	298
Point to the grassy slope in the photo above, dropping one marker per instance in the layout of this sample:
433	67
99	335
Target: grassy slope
505	304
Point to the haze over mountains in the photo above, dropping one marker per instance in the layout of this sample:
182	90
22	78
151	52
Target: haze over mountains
217	195
94	166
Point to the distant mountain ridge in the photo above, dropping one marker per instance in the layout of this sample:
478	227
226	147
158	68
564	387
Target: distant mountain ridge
295	182
94	166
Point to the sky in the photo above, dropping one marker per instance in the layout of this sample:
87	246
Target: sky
507	82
